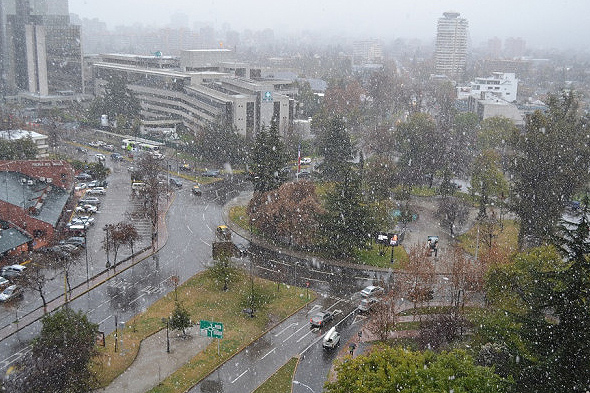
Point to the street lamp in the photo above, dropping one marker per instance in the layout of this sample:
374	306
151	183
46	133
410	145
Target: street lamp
167	322
304	385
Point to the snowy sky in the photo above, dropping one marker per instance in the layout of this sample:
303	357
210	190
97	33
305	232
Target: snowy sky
559	24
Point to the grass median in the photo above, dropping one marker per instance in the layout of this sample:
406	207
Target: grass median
204	299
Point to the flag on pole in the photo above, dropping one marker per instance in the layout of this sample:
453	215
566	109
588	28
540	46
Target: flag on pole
299	159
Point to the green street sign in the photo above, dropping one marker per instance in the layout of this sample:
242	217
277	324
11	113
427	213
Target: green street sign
211	329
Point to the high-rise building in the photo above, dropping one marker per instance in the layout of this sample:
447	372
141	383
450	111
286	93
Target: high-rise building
451	45
40	51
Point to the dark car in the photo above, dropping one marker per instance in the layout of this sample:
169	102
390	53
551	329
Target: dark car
321	319
175	183
197	190
116	157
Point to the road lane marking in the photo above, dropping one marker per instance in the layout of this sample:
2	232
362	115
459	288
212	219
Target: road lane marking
295	332
321	272
285	329
137	298
265	268
281	262
363	278
238	377
208	245
314	279
100	323
271	351
305	335
189	228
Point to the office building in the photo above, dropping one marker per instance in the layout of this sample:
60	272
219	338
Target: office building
40	51
200	88
451	45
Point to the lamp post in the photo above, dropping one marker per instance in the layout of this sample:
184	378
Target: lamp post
167	322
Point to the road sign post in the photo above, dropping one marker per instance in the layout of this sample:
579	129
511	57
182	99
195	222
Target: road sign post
211	329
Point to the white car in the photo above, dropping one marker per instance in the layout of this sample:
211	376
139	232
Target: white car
12	271
10	293
80	186
100	157
372	290
86	209
97	191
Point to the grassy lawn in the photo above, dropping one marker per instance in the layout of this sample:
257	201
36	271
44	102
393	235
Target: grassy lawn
372	257
505	238
280	382
203	299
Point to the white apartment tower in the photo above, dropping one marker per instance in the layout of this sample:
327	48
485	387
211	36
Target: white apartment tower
451	45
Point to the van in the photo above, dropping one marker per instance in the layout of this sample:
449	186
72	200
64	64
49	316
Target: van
137	186
331	339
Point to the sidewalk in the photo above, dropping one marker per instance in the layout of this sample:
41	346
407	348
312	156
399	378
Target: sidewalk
95	281
152	364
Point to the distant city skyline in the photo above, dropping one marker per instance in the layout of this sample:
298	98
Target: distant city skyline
541	23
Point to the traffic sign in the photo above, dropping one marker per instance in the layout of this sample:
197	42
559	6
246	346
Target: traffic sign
211	329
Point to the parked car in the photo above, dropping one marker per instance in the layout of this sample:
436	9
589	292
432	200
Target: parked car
89	201
90	209
331	339
78	241
82	220
4	283
100	157
367	304
196	190
12	271
109	147
75	225
10	293
306	160
80	186
211	173
372	290
83	176
81	149
116	157
96	191
321	319
175	182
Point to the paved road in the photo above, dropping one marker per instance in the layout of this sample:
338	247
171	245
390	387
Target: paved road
251	367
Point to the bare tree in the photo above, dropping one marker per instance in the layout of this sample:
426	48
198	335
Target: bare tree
452	212
34	278
384	315
419	277
128	233
148	169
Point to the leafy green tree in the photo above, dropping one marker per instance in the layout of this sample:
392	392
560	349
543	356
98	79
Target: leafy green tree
421	147
379	178
347	224
487	179
308	103
397	369
19	149
461	143
335	145
180	319
221	144
548	167
267	160
118	102
60	356
223	269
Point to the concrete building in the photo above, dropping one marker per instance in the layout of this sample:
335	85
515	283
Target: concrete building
485	108
199	88
502	85
34	195
451	45
367	52
40	140
40	52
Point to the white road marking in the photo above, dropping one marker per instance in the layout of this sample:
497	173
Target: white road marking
305	335
271	351
101	322
285	329
238	377
189	229
295	332
321	271
313	279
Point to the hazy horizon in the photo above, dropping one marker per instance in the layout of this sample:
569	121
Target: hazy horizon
541	23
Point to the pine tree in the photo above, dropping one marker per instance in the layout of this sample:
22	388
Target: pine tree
267	160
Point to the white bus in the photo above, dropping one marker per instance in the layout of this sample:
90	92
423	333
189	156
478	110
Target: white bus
138	144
